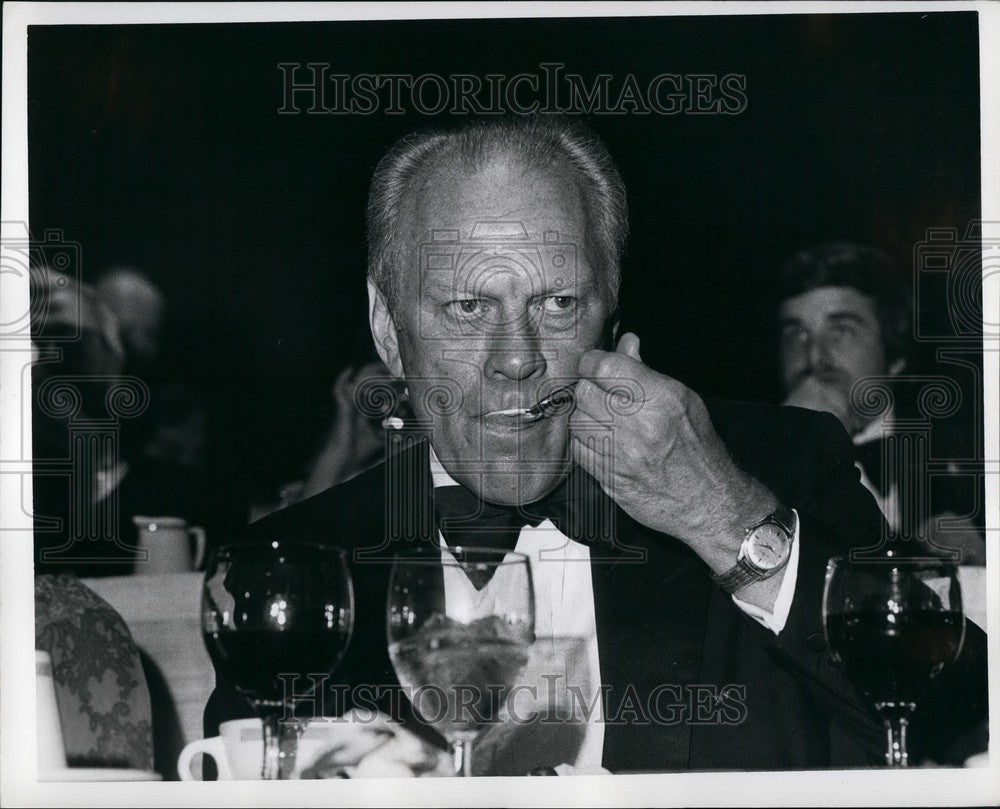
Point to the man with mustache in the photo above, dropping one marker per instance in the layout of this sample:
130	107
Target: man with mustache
844	316
682	543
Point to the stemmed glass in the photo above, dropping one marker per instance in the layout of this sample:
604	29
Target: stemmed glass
893	624
273	612
456	647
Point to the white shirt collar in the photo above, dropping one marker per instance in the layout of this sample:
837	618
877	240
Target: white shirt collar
438	473
875	430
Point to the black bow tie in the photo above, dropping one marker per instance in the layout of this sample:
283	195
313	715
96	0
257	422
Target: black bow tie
577	507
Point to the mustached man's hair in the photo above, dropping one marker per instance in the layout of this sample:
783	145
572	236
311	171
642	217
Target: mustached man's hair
869	271
535	143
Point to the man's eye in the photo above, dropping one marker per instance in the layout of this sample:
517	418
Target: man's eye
470	306
842	330
559	303
793	334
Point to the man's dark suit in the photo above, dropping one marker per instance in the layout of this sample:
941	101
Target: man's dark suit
662	621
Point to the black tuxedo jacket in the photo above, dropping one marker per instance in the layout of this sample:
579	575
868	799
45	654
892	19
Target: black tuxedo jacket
690	681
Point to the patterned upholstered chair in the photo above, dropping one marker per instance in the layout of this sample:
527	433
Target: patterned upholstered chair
103	699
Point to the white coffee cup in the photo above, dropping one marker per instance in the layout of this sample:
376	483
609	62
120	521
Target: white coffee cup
238	750
168	544
51	749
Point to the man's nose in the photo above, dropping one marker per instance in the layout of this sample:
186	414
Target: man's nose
819	351
515	357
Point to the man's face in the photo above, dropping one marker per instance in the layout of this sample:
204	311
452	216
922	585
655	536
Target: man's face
495	308
832	336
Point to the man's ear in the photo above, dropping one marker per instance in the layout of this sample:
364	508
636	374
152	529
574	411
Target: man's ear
897	367
612	328
383	330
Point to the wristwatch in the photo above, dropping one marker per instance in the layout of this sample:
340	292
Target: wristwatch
765	550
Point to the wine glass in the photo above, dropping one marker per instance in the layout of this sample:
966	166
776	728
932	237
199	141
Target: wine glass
272	612
458	645
893	624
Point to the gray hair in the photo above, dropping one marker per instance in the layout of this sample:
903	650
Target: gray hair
538	142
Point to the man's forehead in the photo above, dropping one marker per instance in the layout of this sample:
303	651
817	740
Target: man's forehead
497	200
830	301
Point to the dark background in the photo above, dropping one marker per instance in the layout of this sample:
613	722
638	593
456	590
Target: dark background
161	147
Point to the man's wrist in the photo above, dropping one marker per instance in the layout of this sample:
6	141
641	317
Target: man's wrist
747	506
765	550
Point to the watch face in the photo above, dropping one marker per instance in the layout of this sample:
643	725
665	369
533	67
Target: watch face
767	547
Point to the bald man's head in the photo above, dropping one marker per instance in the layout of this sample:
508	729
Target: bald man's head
138	305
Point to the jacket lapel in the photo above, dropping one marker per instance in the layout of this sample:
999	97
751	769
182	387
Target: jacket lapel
657	603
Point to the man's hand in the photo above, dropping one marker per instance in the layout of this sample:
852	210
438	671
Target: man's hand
353	442
370	745
663	462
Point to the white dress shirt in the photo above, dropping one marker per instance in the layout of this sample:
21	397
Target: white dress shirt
564	609
888	503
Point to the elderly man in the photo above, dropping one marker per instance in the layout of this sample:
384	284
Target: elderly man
683	545
844	317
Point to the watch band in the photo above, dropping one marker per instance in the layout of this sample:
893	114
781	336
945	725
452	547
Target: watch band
743	573
737	577
782	516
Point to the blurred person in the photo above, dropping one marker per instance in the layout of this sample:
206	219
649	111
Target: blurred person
73	335
844	316
77	354
173	428
80	357
72	330
139	306
354	442
356	438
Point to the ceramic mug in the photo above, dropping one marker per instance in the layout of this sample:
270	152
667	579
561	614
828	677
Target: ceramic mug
238	750
171	545
361	744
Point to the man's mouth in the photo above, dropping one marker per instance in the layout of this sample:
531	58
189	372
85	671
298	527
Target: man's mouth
831	378
509	420
555	403
512	411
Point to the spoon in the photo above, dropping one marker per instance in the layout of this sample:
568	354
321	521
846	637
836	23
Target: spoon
545	407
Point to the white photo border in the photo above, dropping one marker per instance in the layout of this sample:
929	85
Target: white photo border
17	735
